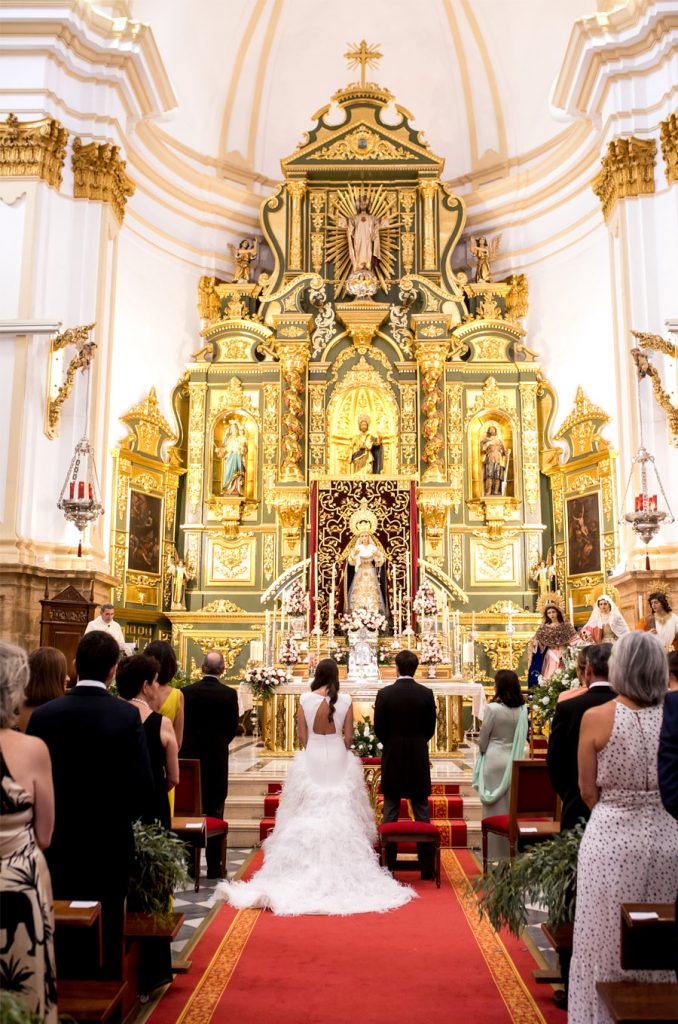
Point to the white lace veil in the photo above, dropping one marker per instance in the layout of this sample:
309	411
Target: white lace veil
615	620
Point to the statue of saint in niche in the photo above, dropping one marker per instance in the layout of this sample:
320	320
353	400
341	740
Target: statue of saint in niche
367	450
365	587
233	450
362	230
494	460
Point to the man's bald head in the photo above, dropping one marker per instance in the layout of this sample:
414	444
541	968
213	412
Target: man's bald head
213	665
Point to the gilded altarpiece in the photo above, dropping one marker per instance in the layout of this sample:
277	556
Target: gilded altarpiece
363	318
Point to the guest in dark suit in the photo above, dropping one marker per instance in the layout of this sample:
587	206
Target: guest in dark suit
102	784
564	737
667	767
404	721
210	723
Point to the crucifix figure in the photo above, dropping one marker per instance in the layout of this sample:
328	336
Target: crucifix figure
363	55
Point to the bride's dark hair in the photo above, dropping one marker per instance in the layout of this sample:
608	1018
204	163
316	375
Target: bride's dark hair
327	674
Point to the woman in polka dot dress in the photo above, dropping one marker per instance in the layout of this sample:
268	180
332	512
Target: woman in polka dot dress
629	853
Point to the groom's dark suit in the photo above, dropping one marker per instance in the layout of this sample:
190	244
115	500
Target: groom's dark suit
404	721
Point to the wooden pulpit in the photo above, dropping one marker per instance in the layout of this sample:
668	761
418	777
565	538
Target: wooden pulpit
64	619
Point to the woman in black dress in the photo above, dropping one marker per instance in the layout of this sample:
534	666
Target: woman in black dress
137	682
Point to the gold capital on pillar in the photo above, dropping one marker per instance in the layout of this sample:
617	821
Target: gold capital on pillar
627	170
296	190
429	190
669	140
99	173
290	504
33	149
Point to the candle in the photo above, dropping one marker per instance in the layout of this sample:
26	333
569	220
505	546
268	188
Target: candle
81	490
571	607
408	609
473	621
71	489
652	503
640	606
282	613
315	581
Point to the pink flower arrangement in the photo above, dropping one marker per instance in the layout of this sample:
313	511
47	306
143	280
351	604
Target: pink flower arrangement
263	680
289	651
362	618
296	600
425	601
431	651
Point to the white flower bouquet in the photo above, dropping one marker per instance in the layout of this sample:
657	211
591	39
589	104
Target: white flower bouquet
544	697
362	618
289	651
365	742
425	602
431	650
262	681
297	601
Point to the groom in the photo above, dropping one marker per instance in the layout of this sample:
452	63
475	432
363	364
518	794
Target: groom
404	721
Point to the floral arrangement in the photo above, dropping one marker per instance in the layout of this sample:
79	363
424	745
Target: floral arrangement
363	618
544	697
296	600
289	651
262	681
586	636
337	652
365	742
431	650
385	655
425	601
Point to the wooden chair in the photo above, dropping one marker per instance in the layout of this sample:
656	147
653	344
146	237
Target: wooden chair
189	823
532	799
647	944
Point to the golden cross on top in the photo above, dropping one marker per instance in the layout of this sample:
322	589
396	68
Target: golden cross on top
363	55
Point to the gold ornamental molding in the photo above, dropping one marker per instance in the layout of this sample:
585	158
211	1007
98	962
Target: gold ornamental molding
582	427
148	427
99	173
60	385
669	142
627	170
33	149
645	368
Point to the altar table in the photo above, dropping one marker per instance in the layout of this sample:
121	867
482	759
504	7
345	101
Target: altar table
280	712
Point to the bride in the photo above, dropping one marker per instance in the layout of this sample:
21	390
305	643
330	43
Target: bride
320	858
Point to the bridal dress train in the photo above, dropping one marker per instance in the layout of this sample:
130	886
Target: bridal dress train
320	858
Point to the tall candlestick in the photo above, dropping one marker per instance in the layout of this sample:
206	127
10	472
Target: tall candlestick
282	613
408	610
315	584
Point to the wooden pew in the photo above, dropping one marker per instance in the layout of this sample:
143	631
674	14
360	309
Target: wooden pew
143	928
90	1000
646	945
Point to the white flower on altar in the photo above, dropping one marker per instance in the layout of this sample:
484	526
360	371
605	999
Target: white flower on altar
380	746
545	700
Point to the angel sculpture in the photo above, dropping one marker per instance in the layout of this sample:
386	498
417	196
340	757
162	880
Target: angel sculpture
484	253
244	257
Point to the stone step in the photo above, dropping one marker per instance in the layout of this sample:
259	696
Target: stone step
246	806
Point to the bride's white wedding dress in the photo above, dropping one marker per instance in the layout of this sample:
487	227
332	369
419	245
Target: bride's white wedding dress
320	858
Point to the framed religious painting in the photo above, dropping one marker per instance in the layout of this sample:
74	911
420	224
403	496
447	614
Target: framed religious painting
584	553
145	533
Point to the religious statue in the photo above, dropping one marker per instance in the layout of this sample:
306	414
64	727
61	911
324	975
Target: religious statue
233	450
540	575
494	458
484	253
367	450
362	231
180	577
365	589
244	257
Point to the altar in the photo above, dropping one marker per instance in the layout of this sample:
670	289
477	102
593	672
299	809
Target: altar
279	712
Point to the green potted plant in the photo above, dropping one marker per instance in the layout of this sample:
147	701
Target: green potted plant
14	1011
159	868
545	874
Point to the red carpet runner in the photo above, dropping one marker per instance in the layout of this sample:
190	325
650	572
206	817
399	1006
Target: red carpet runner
431	960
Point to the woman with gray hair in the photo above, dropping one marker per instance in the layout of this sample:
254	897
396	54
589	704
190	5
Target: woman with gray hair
629	853
26	823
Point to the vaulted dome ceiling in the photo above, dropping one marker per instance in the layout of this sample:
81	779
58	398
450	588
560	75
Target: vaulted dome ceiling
476	76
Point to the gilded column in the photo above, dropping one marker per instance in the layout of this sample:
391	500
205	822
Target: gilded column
530	443
294	357
290	504
196	441
669	141
296	190
429	190
455	440
431	359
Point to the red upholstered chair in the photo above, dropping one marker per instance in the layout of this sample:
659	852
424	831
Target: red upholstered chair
411	832
188	812
532	798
